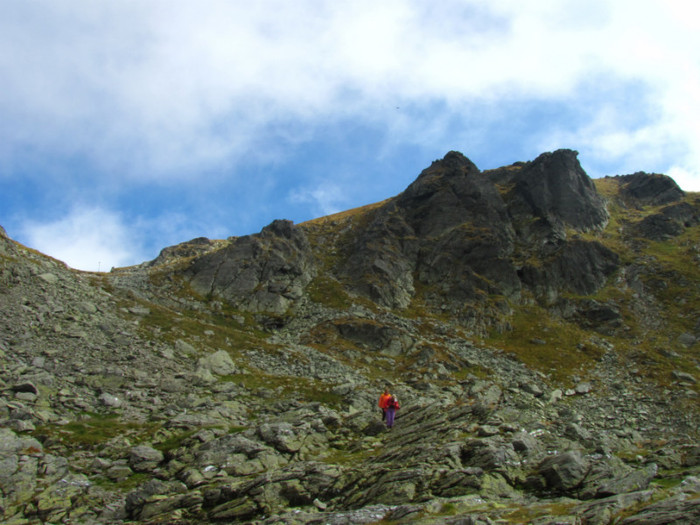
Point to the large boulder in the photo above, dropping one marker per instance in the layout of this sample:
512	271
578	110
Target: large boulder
144	458
563	472
219	363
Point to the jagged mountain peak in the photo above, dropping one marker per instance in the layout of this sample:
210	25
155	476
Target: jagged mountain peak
455	161
554	188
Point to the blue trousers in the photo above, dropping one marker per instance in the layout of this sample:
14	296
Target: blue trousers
390	413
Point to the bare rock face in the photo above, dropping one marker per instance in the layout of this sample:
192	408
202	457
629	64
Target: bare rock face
449	228
456	233
450	193
649	189
578	267
554	189
669	222
265	272
192	248
459	232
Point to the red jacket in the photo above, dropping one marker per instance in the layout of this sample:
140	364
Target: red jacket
384	400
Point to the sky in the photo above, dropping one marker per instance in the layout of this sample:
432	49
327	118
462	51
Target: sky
129	126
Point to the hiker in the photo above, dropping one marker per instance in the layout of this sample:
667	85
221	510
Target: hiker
391	407
383	400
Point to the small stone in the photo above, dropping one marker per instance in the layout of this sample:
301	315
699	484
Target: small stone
555	396
139	310
583	388
21	425
119	472
49	278
110	400
532	388
487	430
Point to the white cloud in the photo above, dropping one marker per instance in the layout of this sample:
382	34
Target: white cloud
93	238
687	180
89	239
166	89
325	199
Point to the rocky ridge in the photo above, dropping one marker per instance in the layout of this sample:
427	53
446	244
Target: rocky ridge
542	344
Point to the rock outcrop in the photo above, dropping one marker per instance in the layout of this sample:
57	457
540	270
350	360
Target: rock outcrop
264	272
653	189
460	234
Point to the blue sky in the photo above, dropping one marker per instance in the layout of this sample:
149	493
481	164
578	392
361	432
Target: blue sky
128	126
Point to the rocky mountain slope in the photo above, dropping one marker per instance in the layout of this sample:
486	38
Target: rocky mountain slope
540	330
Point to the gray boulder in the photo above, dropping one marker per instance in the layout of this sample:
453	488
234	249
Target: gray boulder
219	363
563	472
144	458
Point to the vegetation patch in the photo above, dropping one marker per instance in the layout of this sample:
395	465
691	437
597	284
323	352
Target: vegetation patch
349	456
329	292
94	430
527	514
124	485
547	344
287	387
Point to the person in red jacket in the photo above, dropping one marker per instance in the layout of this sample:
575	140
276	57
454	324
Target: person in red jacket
383	400
391	407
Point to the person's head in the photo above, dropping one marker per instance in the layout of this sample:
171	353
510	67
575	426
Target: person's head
386	390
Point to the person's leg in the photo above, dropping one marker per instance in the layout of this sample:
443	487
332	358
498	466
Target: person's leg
390	417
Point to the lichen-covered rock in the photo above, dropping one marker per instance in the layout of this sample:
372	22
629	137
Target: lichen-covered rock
218	363
563	472
144	458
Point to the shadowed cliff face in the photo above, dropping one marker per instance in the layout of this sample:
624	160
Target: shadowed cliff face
266	272
553	188
461	233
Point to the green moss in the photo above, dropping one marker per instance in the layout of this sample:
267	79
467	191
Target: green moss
175	441
96	429
529	513
547	344
124	485
329	292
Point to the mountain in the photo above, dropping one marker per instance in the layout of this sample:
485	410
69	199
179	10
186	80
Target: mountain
539	328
